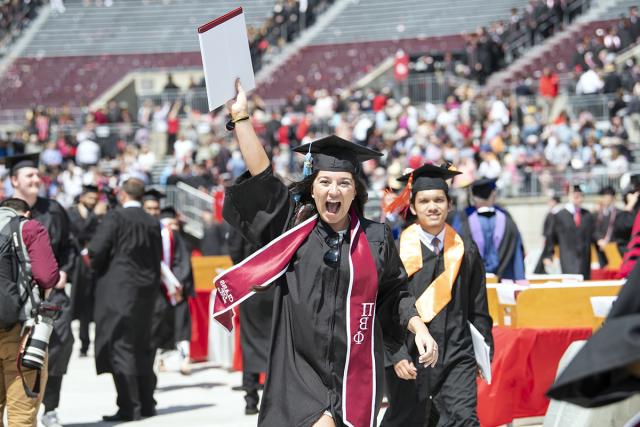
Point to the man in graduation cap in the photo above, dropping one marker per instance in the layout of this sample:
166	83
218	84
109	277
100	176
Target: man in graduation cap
125	253
177	256
605	219
84	217
25	179
573	232
494	232
339	285
171	317
447	278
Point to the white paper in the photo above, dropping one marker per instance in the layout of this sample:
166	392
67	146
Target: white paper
170	281
482	352
507	292
602	305
226	57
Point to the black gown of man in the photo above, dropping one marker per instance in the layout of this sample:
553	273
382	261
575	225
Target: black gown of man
573	240
452	382
255	325
547	229
309	340
604	228
125	254
597	375
53	216
83	287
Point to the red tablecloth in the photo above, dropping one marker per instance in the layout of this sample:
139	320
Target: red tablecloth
604	274
199	308
524	367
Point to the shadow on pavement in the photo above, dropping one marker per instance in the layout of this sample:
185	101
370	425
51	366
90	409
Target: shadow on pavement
161	411
182	386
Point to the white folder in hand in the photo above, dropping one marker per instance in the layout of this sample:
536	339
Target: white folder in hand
224	47
482	352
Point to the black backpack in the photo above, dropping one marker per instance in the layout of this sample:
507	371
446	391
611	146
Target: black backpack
15	270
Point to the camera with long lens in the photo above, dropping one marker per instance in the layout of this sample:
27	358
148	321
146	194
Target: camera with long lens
41	327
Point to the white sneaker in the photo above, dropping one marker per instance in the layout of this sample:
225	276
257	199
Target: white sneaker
50	419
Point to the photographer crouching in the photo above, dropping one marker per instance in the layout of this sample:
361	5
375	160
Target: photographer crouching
26	261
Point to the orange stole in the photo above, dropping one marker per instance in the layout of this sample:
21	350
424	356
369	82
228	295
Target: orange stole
438	293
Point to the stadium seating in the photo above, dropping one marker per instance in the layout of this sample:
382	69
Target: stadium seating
134	27
370	20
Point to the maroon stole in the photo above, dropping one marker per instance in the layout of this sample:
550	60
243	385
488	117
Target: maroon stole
272	261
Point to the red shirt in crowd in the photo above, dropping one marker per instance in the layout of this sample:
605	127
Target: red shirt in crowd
549	86
44	267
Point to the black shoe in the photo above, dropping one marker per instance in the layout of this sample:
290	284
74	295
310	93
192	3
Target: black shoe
83	353
150	413
118	416
251	410
237	388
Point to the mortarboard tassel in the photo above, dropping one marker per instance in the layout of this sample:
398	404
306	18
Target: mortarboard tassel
400	203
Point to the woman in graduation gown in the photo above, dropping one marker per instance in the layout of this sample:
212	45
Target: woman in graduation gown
339	285
447	278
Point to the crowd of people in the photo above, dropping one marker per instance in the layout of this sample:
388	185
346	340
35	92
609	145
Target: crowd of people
14	17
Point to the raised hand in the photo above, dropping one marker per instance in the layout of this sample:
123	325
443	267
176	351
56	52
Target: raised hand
238	107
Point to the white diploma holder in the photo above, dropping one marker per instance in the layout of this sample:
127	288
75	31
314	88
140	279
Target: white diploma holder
224	47
482	352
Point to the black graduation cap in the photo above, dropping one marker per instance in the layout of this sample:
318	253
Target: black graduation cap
608	190
153	194
89	189
577	188
168	212
429	177
333	153
14	163
483	188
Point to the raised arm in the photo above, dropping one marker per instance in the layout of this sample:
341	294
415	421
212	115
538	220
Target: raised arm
252	150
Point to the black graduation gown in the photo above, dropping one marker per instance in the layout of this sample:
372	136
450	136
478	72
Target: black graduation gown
308	341
53	216
574	242
125	254
172	323
215	239
82	278
622	229
596	376
511	250
450	330
255	314
547	229
183	271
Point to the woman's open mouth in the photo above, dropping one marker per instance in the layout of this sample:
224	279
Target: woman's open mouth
332	207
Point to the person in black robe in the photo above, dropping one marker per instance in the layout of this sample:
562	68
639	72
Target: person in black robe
309	341
125	254
84	218
547	227
163	323
181	268
605	219
445	395
25	180
607	369
255	328
493	230
573	232
624	220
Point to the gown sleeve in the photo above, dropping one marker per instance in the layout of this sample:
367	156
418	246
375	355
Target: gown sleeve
395	304
182	265
102	243
258	206
478	305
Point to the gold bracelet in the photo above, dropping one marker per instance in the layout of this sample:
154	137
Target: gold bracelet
239	119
